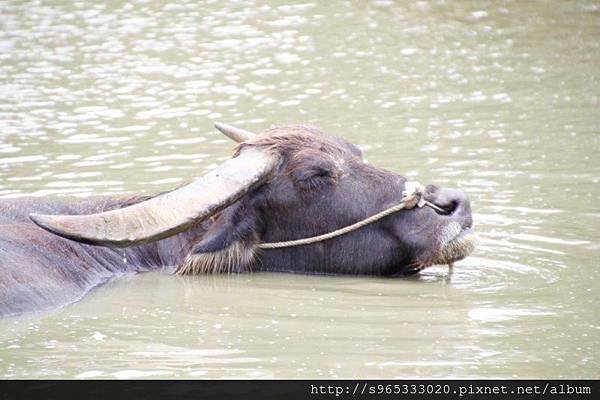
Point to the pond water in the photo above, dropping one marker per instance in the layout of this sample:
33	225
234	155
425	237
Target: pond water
500	99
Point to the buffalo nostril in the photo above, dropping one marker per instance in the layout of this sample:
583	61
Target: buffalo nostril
447	201
446	208
451	208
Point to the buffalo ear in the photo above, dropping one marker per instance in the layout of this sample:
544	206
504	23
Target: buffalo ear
351	147
228	246
236	224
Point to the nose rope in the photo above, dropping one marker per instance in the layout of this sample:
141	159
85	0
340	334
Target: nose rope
412	196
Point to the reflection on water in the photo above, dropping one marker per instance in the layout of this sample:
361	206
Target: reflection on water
499	99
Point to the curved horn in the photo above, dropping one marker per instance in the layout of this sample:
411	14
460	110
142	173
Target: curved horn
169	213
236	134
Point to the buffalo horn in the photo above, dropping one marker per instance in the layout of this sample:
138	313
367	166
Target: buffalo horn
233	133
169	213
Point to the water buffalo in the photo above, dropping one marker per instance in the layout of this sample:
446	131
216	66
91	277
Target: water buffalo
288	182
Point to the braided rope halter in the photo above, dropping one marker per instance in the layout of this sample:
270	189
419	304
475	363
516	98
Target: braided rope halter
412	196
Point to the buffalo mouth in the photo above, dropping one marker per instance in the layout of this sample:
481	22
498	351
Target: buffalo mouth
455	243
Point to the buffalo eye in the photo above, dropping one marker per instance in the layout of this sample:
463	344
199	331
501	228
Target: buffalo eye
311	169
311	177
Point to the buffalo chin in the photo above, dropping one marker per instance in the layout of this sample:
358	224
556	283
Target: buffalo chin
457	248
454	243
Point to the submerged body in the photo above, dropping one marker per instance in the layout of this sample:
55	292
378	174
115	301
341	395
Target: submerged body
40	271
312	183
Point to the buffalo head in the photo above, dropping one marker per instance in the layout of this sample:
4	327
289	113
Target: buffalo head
288	183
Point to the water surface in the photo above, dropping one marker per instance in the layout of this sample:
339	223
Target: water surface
500	99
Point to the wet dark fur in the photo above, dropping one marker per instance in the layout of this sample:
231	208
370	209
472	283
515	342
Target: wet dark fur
39	270
322	184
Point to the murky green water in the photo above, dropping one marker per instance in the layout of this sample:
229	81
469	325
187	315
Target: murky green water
501	99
